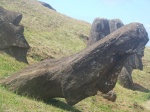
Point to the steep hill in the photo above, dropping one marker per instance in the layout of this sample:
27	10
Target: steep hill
51	34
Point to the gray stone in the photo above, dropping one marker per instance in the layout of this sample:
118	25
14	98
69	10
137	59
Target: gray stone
111	96
99	29
103	27
114	24
133	62
12	40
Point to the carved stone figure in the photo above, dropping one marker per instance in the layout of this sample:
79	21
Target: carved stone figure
100	29
81	75
12	40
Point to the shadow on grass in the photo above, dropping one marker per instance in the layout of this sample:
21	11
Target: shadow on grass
60	104
140	88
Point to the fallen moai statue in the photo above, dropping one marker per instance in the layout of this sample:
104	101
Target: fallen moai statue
12	40
81	75
100	29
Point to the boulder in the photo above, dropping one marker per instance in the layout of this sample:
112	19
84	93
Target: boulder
81	75
47	5
111	96
12	40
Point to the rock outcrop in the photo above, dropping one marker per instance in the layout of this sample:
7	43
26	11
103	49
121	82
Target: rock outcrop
12	40
81	75
100	29
47	5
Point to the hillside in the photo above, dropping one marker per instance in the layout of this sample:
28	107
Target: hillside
53	35
50	34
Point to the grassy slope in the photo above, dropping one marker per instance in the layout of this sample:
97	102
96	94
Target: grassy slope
49	34
9	65
46	29
145	74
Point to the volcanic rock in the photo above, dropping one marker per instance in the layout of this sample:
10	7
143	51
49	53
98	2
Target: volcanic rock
100	29
12	40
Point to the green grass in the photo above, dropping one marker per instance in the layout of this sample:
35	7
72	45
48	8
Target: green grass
53	35
50	34
12	103
49	46
125	103
9	65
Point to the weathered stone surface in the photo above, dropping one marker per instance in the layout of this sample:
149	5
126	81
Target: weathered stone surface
12	40
134	62
114	24
99	29
81	75
111	96
102	27
47	5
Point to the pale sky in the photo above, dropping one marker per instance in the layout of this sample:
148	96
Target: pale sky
126	10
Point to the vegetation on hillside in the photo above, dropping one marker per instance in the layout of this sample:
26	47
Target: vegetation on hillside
9	65
54	35
50	34
143	77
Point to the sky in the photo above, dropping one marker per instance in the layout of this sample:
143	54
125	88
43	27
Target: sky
126	10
